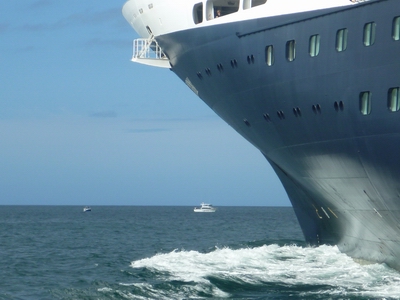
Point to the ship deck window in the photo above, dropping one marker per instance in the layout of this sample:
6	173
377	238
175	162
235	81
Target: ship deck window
269	55
394	99
314	45
369	34
341	39
252	3
291	50
396	28
198	13
365	103
220	8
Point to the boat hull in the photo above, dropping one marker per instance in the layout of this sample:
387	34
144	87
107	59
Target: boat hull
340	167
204	211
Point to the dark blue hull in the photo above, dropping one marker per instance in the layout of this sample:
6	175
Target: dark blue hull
323	119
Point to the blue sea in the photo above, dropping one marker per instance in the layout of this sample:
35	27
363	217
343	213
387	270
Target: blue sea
136	252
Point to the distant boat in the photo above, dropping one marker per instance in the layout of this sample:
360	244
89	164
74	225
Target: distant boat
87	208
205	208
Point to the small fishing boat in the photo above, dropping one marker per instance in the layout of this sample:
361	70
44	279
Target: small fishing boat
87	208
205	208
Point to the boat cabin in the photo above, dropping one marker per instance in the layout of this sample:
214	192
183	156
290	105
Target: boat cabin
211	9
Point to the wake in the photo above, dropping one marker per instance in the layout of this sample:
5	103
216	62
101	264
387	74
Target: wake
305	272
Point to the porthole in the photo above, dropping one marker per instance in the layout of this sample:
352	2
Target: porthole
338	106
234	63
341	39
365	103
396	29
394	99
269	55
316	108
314	45
297	111
250	59
369	33
267	117
198	13
291	50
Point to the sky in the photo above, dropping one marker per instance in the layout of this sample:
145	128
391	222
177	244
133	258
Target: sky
80	124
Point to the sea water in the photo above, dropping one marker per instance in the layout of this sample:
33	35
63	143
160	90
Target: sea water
59	252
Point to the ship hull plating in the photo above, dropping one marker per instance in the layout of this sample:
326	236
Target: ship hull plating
338	161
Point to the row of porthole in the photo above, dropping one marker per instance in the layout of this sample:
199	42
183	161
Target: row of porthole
220	67
393	101
316	108
393	104
341	44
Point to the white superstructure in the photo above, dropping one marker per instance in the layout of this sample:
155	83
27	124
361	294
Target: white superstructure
158	17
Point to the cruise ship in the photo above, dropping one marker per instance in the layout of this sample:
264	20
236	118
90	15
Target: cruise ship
313	85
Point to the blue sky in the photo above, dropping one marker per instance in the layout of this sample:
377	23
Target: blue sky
82	125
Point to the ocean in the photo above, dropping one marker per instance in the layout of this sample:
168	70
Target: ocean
140	252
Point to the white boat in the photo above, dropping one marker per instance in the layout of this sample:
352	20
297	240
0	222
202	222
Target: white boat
205	208
87	208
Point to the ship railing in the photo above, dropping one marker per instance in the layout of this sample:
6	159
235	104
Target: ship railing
148	52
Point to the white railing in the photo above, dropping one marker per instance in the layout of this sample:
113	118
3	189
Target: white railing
147	51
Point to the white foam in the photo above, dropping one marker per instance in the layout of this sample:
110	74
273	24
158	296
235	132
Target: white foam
289	265
104	289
